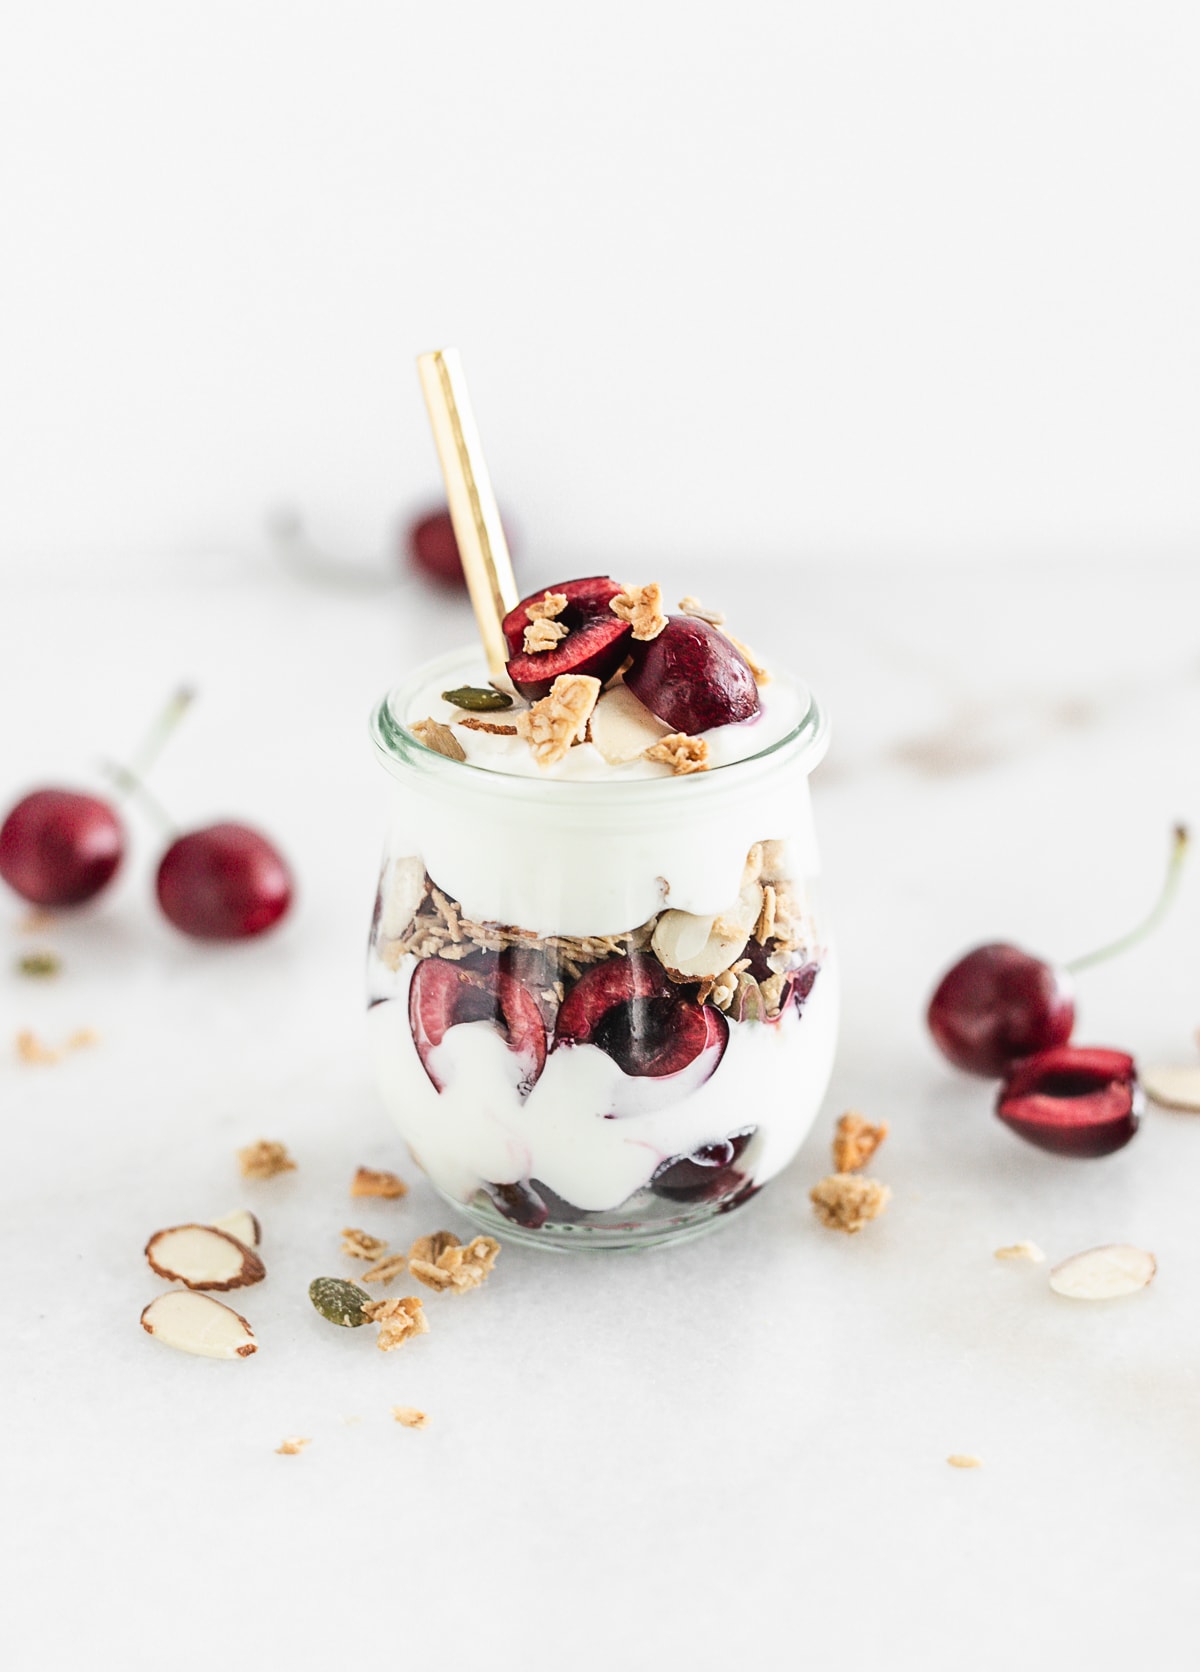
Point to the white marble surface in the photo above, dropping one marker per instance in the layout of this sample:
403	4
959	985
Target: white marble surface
729	1453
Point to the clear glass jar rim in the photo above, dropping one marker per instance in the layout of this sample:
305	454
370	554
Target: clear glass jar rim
803	747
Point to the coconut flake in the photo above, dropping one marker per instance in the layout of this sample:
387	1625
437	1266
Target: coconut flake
198	1324
1104	1273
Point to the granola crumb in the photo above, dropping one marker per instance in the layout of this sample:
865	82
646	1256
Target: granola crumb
398	1318
1021	1251
291	1447
40	966
409	1417
36	921
265	1159
439	738
560	719
764	929
360	1245
82	1038
693	607
371	1181
642	607
472	722
761	674
855	1142
31	1049
383	1271
544	632
683	754
964	1460
845	1201
442	1262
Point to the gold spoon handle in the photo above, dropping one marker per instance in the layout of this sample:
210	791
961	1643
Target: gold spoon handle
473	511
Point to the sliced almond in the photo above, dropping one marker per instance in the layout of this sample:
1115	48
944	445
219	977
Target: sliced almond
624	728
692	948
405	885
1104	1273
203	1258
1174	1088
241	1224
198	1324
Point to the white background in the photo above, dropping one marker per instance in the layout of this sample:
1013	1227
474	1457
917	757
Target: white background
782	279
875	324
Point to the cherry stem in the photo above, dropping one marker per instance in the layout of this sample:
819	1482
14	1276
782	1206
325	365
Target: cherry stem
1170	887
130	780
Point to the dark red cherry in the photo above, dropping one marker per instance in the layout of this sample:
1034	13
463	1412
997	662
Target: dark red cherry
1074	1100
225	882
433	549
692	677
443	995
596	642
60	847
998	1004
708	1174
649	1027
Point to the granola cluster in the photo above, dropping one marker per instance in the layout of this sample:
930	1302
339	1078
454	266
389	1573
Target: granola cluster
855	1142
847	1202
544	632
441	1262
369	1181
264	1160
359	1245
642	607
683	754
399	1319
560	719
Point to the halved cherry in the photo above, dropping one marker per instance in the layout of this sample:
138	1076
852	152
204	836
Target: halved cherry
444	995
595	643
692	677
708	1174
647	1025
1073	1100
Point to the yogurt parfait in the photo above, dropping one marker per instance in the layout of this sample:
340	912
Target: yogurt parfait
603	1002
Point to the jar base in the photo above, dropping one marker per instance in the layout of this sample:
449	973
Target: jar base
586	1237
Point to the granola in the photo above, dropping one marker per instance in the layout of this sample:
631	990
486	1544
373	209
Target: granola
846	1201
642	607
442	1262
560	719
544	632
398	1318
31	1049
409	1417
371	1181
439	738
855	1142
290	1448
1021	1251
472	722
683	754
693	607
360	1245
264	1160
384	1270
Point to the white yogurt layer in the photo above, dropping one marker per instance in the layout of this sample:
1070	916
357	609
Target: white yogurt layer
591	1132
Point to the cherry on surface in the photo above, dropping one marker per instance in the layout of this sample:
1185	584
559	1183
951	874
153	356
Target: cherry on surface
224	882
998	1004
1082	1101
60	847
432	547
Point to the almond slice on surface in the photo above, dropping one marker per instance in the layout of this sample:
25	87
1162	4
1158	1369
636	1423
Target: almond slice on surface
241	1224
1173	1088
1104	1273
203	1258
198	1324
624	728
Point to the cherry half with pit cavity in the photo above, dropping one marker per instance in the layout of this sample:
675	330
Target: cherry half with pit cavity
999	1004
595	644
1074	1100
629	1009
60	847
445	995
708	1174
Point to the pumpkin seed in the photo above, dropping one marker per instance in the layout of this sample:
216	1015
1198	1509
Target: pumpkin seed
339	1301
480	699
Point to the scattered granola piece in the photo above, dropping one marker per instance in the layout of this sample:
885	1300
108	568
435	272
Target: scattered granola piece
409	1417
964	1460
265	1159
31	1049
495	727
846	1201
82	1038
398	1319
1021	1251
642	607
544	632
339	1302
1104	1273
683	754
203	1258
693	607
384	1270
372	1181
1173	1088
360	1245
290	1448
439	738
761	674
196	1323
855	1142
560	719
40	966
441	1261
35	921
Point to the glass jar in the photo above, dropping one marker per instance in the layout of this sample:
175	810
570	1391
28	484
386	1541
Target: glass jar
602	1014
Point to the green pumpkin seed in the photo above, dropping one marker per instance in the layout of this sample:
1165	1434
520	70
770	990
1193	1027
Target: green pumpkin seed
480	699
339	1301
40	965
